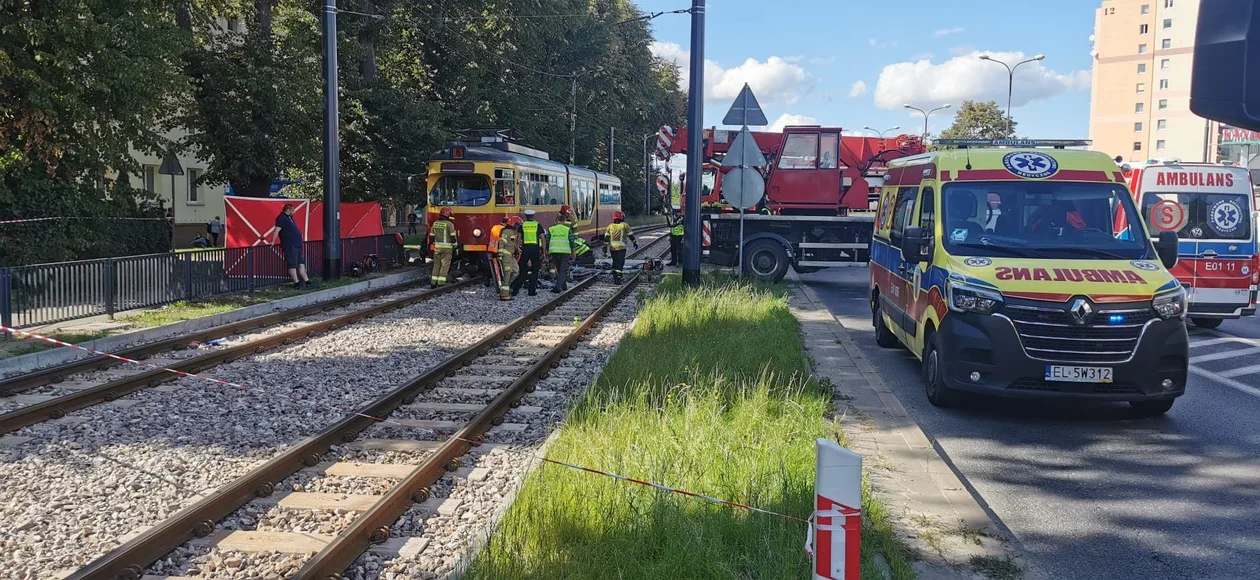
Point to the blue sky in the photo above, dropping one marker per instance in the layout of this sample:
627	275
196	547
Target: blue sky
846	63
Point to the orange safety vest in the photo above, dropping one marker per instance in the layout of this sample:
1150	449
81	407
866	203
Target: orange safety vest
495	232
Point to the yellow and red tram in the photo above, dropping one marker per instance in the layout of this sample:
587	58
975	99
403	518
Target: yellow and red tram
484	181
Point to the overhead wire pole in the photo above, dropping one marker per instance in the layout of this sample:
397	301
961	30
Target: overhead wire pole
695	148
332	148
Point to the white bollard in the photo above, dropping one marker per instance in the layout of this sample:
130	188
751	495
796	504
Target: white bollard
835	533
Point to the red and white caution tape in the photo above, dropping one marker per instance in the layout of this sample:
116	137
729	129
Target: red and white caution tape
48	219
386	421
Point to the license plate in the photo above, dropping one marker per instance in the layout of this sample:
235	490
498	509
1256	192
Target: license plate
1078	374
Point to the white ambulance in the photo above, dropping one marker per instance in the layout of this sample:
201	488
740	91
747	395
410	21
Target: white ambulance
1212	209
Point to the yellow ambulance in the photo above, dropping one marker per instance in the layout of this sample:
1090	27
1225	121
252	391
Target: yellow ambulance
1022	268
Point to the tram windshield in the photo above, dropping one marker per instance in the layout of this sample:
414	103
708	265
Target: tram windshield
460	190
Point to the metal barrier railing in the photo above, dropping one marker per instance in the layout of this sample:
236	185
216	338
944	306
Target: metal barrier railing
48	293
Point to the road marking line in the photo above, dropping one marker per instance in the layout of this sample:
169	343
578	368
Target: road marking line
1248	389
1212	341
1247	370
1241	339
1224	355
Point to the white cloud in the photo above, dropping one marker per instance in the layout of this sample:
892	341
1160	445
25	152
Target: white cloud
789	119
775	80
967	77
947	31
922	56
858	89
875	43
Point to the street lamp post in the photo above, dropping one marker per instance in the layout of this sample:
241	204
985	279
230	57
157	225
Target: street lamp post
926	114
1010	83
647	175
883	144
573	111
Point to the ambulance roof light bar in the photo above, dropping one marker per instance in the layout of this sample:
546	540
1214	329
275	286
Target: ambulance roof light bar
1055	143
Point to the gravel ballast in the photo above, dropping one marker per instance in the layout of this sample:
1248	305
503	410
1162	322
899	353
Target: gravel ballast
69	493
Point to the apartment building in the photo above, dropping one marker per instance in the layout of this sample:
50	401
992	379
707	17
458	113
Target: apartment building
193	204
1140	95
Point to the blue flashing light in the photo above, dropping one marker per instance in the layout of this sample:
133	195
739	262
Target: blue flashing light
1115	318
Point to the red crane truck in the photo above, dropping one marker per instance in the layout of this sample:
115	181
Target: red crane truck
820	188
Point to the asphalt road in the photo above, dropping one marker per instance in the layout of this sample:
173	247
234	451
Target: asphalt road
1089	491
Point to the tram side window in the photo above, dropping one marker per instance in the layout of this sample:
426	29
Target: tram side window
504	187
586	205
556	191
462	190
532	189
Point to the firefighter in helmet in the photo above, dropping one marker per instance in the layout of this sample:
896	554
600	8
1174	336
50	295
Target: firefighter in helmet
492	252
567	217
615	236
445	243
509	244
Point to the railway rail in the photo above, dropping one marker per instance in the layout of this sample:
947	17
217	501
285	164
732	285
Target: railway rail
416	419
33	409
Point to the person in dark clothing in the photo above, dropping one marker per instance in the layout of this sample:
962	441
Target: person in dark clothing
411	223
290	240
214	228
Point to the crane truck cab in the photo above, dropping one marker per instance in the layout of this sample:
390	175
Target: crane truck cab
1061	295
1211	208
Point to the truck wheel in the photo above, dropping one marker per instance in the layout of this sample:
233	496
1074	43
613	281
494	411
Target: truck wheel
938	393
1151	408
1208	323
883	335
767	260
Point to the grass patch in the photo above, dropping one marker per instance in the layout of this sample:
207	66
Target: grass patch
1003	568
19	346
709	393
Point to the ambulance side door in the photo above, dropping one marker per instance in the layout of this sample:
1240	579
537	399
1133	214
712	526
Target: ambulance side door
902	272
917	272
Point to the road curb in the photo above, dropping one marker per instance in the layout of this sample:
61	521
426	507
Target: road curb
933	511
56	356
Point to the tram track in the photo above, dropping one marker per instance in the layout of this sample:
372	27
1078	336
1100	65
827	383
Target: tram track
58	406
414	421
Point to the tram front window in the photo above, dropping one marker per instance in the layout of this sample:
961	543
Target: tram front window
461	190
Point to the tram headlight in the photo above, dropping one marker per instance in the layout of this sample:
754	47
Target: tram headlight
476	232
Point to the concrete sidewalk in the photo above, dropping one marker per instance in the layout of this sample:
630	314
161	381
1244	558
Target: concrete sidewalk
933	512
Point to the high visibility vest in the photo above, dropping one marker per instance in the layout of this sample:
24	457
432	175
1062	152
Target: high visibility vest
617	235
559	235
495	231
444	235
529	231
677	230
582	247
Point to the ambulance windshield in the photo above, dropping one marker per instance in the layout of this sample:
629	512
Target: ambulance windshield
1209	216
1043	219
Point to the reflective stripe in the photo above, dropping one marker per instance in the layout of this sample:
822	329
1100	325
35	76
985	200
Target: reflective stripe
530	233
617	235
559	235
582	247
444	245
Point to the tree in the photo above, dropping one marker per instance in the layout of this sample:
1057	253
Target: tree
975	120
82	84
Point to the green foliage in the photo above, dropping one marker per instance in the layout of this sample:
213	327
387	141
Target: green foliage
85	84
82	84
980	121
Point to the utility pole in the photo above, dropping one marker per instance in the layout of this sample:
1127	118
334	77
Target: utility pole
332	149
612	138
695	149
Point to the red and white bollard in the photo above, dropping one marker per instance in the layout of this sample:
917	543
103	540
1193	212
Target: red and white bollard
835	532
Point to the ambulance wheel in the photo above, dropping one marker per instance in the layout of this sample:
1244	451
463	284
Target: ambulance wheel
883	335
1208	323
1151	408
767	260
938	393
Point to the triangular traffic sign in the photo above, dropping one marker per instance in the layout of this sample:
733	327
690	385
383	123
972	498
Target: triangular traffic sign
746	110
744	152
